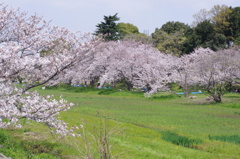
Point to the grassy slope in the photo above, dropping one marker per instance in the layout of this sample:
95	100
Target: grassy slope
139	124
142	122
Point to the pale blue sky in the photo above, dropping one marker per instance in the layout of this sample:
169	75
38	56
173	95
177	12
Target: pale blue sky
84	15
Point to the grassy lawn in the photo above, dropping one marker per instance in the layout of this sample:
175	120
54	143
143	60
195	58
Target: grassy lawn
165	126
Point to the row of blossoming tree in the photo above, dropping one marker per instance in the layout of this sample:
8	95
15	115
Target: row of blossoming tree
33	53
141	65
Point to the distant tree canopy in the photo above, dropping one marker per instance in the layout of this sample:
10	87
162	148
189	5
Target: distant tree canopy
108	28
140	37
216	28
130	32
204	35
172	27
220	18
126	29
234	20
112	31
170	37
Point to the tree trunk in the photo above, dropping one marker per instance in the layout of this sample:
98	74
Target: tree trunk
114	84
129	86
217	98
230	84
185	91
185	87
92	83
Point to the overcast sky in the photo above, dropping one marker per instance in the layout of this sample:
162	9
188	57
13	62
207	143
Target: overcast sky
84	15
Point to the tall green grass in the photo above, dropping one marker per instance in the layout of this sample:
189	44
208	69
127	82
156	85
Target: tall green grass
180	140
232	139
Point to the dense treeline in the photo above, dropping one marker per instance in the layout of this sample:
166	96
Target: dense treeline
215	29
218	28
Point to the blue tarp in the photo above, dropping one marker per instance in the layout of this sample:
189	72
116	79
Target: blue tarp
191	92
197	92
180	93
105	87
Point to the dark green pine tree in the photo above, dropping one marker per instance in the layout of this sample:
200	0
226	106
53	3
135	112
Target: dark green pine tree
109	28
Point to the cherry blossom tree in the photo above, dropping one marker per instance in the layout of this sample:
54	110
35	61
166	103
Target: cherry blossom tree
143	66
210	70
139	65
23	39
185	66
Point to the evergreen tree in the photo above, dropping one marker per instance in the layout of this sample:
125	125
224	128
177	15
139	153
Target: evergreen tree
109	28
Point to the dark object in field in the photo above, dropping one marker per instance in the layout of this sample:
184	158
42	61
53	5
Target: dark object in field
238	90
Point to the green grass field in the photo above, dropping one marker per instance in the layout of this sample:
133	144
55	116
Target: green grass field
163	127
